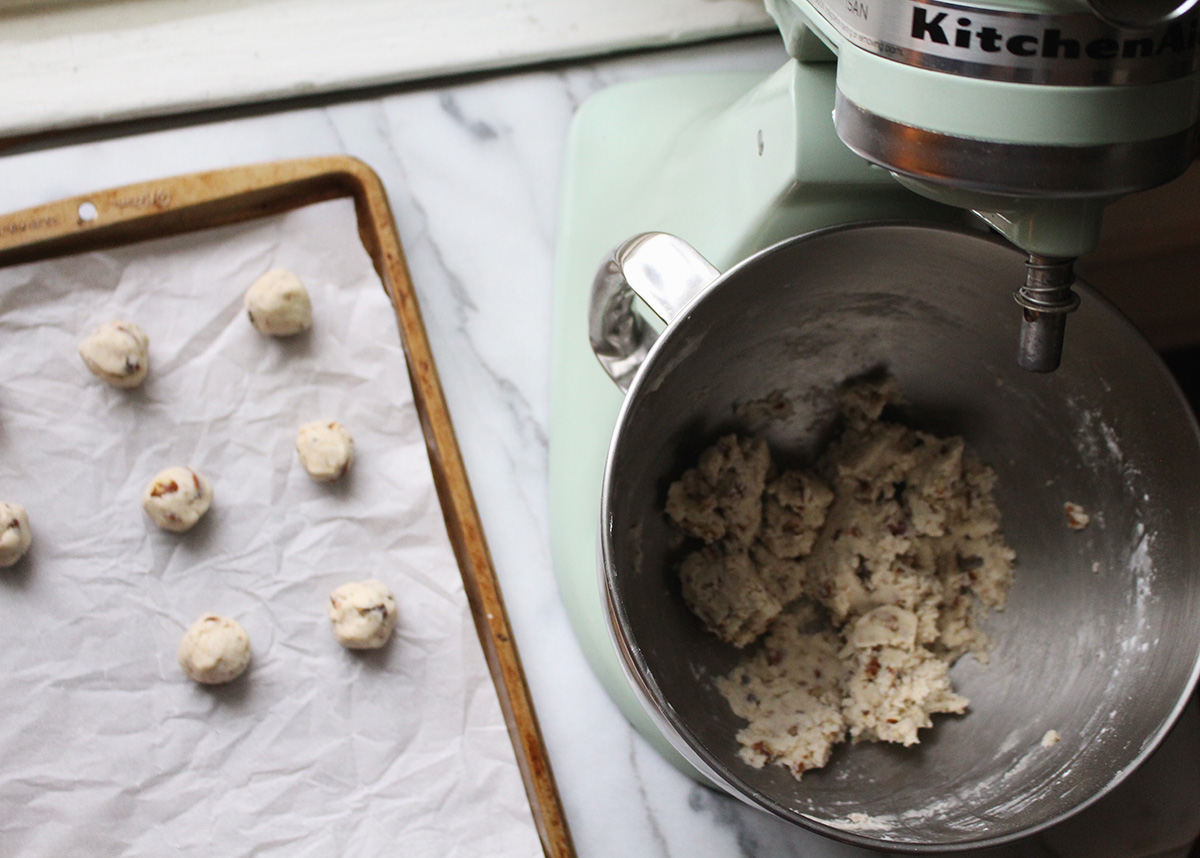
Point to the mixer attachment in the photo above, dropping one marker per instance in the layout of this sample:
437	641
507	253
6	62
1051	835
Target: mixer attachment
1046	299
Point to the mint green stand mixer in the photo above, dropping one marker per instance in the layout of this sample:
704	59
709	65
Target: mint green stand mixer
1029	116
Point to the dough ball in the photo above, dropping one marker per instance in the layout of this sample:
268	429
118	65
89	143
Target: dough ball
214	650
363	614
326	449
177	498
14	533
117	352
278	304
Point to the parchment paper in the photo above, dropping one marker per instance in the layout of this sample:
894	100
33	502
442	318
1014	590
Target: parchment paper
105	747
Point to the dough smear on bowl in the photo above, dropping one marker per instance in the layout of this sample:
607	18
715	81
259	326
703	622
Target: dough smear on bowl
326	449
363	614
278	304
861	579
214	650
117	352
177	498
15	535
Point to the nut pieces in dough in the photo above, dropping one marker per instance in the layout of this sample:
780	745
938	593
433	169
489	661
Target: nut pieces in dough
177	498
1077	519
278	304
117	352
214	650
363	614
862	580
326	449
14	533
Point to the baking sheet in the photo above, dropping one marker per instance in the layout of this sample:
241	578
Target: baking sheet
105	747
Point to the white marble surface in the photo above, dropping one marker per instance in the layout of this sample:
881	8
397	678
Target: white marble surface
472	169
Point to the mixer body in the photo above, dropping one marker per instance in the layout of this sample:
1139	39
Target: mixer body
1035	115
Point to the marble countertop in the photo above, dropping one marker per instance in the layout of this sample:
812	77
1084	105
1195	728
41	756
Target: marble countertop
472	168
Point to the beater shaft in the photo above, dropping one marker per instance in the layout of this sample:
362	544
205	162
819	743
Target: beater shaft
1045	300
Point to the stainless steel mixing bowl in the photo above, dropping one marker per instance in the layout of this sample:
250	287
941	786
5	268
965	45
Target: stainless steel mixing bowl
1101	637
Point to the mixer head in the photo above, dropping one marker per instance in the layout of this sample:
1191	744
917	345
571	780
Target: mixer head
1035	114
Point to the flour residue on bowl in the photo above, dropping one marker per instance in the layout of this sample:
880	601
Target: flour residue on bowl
1101	452
1096	440
1141	568
862	822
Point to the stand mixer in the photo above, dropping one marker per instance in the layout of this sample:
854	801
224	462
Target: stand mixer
1027	116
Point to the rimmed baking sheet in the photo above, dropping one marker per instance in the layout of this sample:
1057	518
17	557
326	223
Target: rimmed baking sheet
105	747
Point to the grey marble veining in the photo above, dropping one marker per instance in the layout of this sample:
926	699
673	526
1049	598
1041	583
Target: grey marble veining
472	171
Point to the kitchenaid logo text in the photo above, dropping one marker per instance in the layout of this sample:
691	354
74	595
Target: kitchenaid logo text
1050	43
955	37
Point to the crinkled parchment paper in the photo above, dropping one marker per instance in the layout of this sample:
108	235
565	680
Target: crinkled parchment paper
105	747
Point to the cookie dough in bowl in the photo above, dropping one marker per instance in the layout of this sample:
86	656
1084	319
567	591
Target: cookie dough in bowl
215	650
177	498
117	352
363	614
278	304
326	449
866	576
15	535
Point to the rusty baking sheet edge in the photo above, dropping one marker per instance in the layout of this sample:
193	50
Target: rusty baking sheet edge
196	201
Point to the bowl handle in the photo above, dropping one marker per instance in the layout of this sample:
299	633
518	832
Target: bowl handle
666	273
